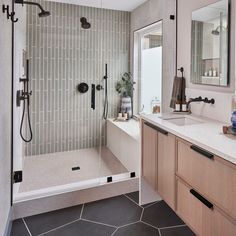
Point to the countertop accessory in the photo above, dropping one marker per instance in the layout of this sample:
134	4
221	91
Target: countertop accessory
229	130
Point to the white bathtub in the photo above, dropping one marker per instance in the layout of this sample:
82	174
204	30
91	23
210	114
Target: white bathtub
123	141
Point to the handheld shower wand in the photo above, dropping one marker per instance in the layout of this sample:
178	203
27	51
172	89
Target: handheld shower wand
24	95
105	108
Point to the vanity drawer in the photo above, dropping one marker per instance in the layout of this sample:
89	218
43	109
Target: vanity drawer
202	216
210	175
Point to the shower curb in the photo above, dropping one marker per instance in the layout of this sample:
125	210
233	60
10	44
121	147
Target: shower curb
64	200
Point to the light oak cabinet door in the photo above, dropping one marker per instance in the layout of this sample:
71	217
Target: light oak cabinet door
209	174
189	208
166	168
217	224
149	154
203	217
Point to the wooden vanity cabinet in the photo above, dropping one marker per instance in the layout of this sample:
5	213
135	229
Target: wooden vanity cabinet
202	216
214	177
166	168
198	185
158	161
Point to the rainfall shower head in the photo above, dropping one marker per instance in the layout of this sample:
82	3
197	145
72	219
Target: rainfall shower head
84	23
43	13
215	32
218	29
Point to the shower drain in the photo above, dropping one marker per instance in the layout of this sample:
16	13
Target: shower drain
75	168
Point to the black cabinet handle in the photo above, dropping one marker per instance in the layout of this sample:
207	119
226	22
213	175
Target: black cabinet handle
201	198
202	152
93	97
156	128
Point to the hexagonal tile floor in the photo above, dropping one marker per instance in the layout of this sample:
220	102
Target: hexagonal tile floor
116	216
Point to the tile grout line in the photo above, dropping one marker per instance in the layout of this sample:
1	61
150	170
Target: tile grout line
151	204
95	222
69	223
114	232
149	225
170	227
26	226
119	227
81	211
141	216
133	201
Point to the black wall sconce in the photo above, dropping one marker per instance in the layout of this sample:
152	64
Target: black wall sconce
5	9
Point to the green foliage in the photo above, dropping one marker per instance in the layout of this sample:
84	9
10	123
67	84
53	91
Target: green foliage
125	86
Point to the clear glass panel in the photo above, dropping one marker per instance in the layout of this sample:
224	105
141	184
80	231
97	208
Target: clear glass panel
116	147
63	54
73	140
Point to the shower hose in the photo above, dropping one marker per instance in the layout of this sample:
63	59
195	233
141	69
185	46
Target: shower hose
22	121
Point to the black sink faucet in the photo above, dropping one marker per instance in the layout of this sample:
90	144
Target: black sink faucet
200	99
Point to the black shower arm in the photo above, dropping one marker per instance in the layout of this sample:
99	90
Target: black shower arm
29	3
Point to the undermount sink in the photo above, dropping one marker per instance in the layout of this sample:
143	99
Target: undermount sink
182	121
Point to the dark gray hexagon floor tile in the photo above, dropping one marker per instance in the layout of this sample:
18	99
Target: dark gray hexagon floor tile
134	196
116	211
82	228
137	229
42	223
161	215
18	228
177	231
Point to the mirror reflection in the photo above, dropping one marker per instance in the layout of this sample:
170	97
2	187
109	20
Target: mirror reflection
209	50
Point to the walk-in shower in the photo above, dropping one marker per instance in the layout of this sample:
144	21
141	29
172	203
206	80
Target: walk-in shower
70	94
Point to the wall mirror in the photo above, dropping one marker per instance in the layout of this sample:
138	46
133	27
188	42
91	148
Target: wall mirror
210	44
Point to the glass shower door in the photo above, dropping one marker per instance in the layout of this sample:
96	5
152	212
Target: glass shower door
119	140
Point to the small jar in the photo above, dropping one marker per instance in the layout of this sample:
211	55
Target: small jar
155	106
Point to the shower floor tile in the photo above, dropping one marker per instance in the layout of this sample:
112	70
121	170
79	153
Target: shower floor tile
48	170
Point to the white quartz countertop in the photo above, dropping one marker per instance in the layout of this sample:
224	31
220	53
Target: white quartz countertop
208	134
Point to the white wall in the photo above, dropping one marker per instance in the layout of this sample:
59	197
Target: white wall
148	13
185	8
5	118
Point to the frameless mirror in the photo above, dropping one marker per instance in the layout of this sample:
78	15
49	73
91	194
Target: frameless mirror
210	44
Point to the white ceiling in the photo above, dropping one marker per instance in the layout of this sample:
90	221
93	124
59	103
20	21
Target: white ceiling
211	11
123	5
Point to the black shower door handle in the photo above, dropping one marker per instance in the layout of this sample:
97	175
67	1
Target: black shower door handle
93	97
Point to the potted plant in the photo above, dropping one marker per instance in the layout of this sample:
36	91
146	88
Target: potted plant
125	88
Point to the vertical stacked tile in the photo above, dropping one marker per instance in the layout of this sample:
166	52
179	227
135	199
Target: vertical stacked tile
62	55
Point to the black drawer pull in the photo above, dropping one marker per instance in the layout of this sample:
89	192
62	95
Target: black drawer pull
202	199
202	152
156	128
